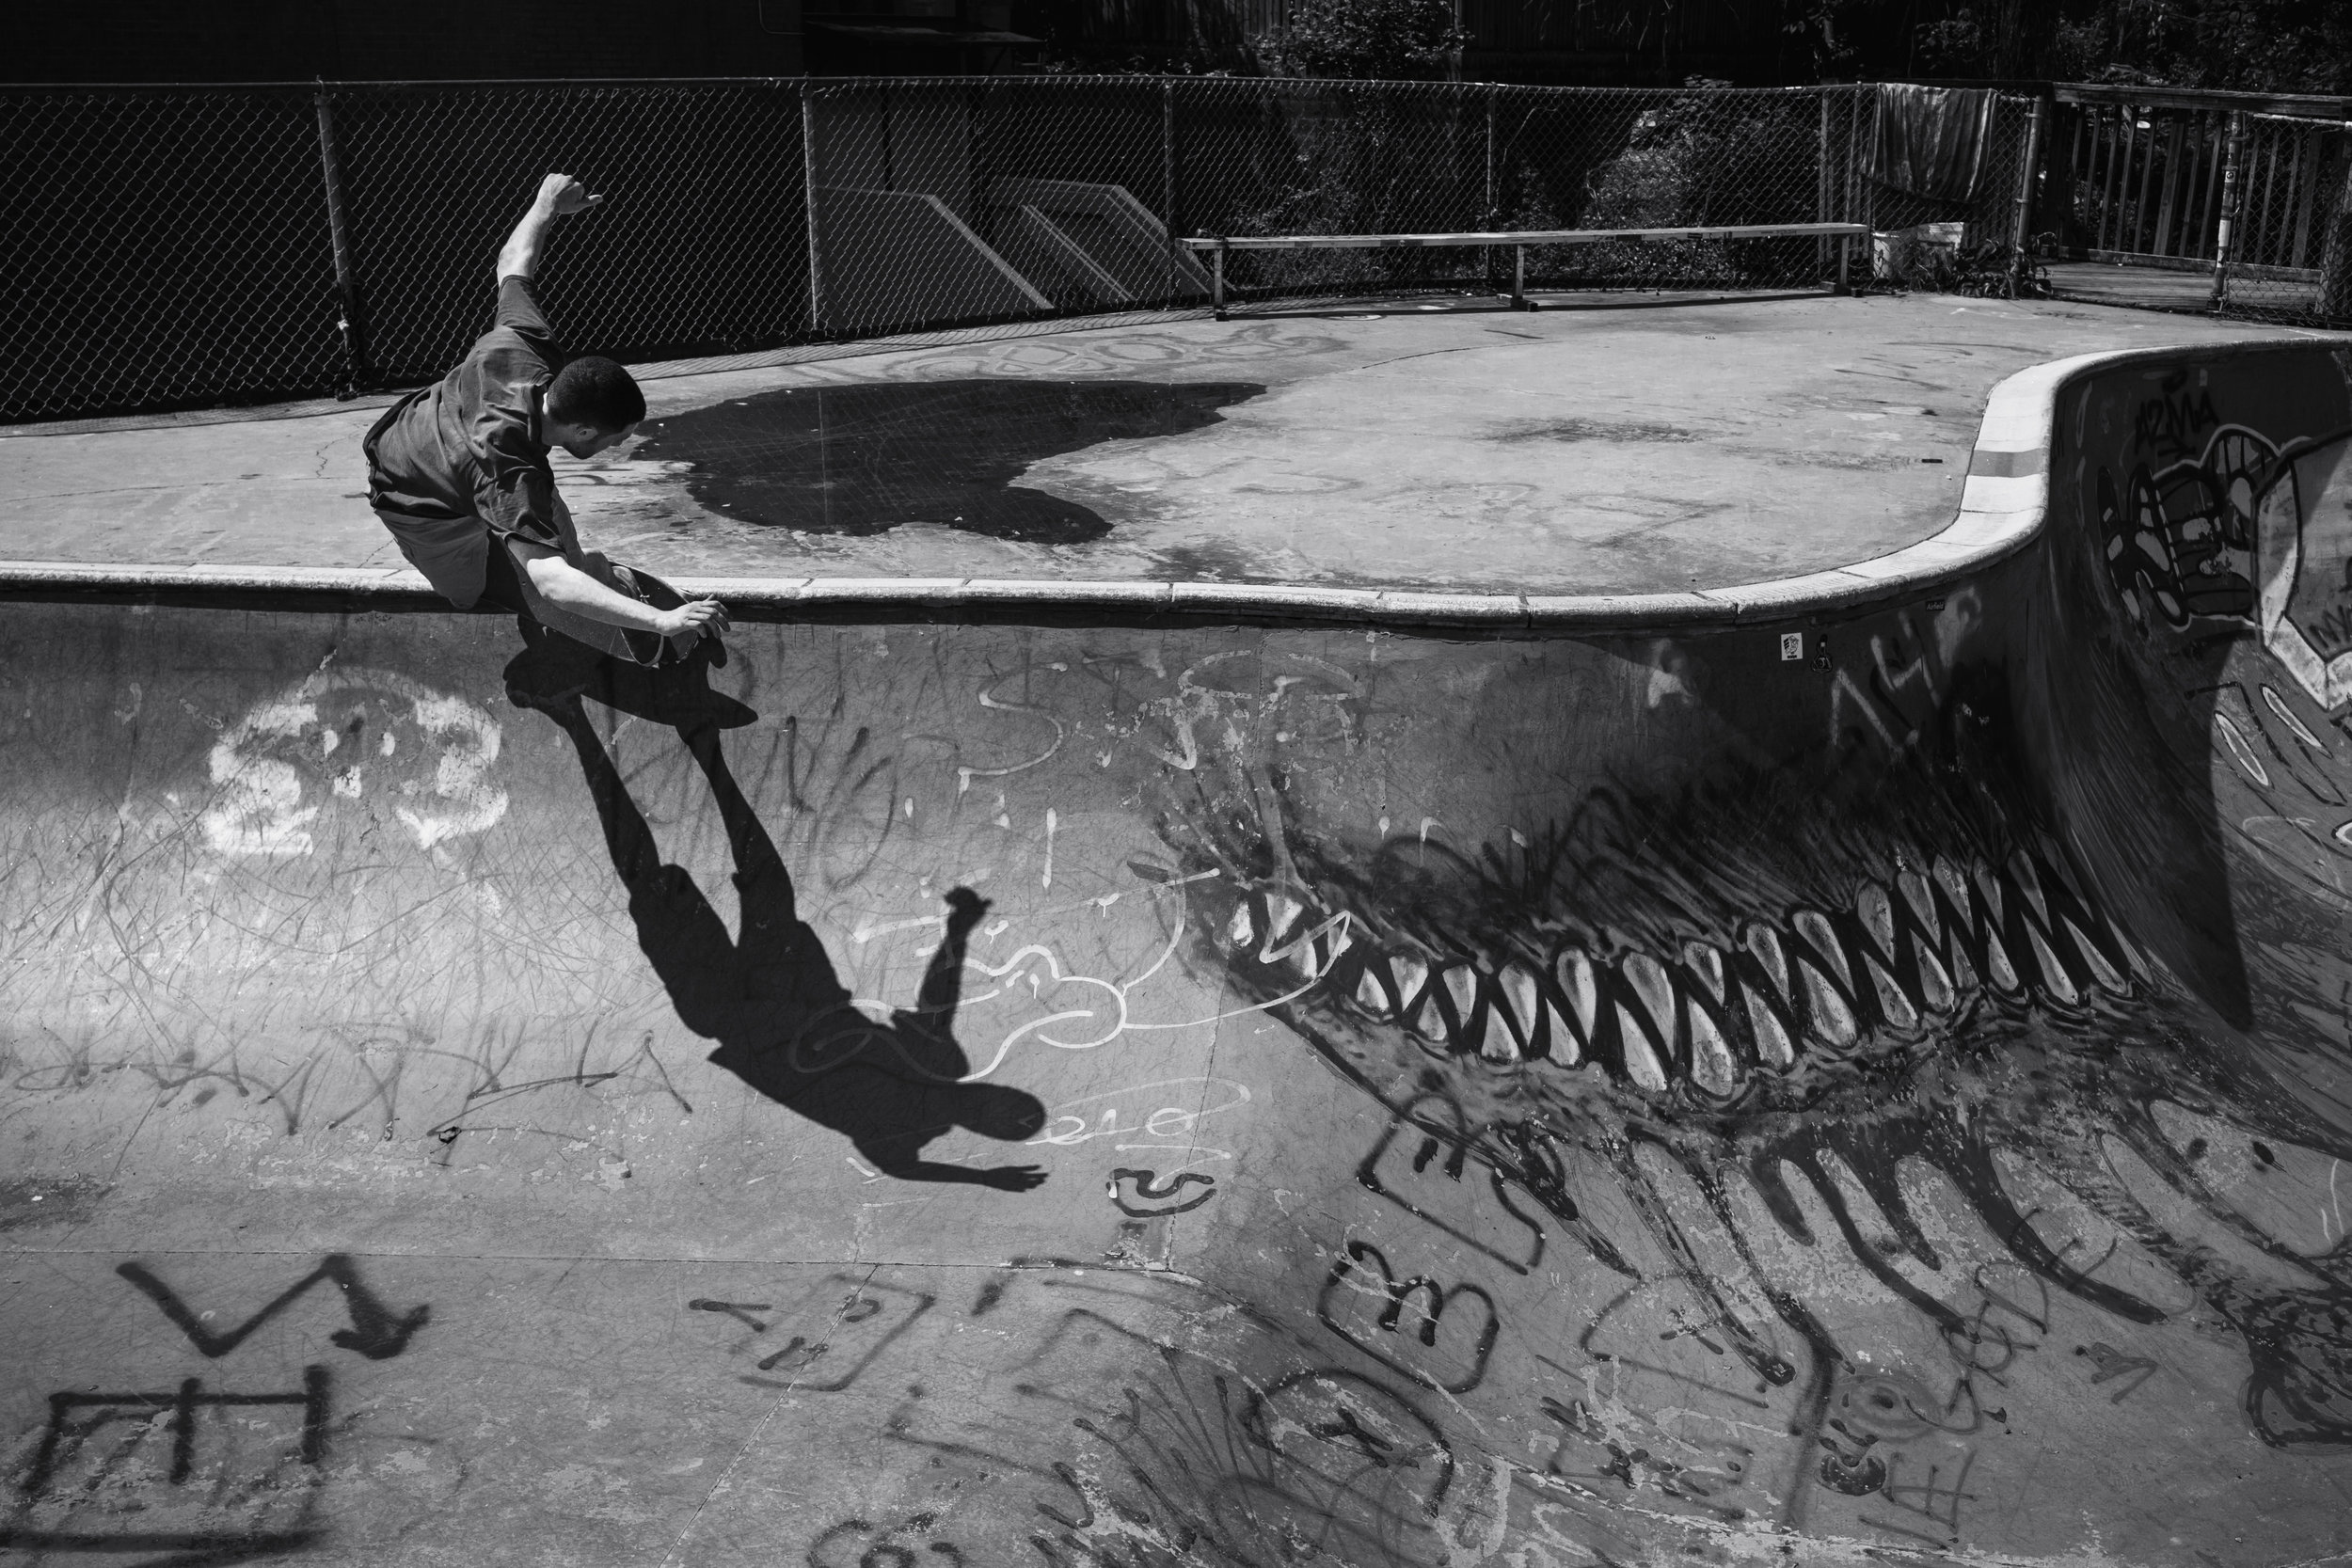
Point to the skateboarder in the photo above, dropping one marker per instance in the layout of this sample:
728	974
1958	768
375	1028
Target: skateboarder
458	472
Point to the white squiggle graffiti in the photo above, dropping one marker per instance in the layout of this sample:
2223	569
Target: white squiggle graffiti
1169	1128
262	806
1335	930
1048	973
989	699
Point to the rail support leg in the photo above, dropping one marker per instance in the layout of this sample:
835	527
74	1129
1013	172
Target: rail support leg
1519	277
1845	260
1216	283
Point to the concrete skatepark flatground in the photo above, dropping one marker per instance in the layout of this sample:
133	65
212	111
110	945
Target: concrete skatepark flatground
1623	446
1842	1069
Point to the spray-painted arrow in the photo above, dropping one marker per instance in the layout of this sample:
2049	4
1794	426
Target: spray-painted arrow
375	1332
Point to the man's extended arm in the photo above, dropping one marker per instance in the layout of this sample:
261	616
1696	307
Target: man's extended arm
559	196
567	587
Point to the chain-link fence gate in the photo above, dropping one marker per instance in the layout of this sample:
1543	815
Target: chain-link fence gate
175	248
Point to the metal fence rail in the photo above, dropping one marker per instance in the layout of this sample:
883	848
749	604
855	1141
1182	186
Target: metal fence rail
174	246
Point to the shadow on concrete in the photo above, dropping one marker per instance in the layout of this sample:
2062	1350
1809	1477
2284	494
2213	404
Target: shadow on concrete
782	1020
861	460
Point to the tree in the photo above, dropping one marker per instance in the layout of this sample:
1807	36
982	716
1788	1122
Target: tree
2247	45
1376	39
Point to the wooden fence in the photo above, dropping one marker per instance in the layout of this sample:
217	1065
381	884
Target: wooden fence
2250	188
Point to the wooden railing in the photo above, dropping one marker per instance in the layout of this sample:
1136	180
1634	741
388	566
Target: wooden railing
2254	189
2146	181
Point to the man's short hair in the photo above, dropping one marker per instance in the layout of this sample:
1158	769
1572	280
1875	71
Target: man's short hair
593	390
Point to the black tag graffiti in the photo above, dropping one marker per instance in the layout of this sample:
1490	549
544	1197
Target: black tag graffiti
375	1332
1155	1196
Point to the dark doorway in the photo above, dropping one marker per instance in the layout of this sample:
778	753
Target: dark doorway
864	459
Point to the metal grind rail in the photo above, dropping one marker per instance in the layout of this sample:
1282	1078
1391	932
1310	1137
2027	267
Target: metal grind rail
1517	240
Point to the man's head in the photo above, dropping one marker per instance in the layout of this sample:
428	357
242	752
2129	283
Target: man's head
593	404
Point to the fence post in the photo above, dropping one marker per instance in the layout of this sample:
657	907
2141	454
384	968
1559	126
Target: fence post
1494	93
1168	181
2233	152
350	323
2027	171
809	208
1857	193
1820	185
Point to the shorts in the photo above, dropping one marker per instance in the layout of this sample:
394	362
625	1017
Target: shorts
501	583
465	561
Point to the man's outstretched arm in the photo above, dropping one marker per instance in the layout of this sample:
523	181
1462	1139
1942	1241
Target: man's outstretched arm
559	196
567	587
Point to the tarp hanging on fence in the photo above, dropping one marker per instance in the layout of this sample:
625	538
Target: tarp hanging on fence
1931	141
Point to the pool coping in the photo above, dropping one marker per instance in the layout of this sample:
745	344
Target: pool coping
2003	503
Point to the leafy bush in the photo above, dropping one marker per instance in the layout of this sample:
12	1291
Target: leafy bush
1705	158
1982	269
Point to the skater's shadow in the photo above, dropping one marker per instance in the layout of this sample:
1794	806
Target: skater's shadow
768	996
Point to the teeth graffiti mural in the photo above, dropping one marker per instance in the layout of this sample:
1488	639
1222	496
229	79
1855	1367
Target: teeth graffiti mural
1749	999
1718	1027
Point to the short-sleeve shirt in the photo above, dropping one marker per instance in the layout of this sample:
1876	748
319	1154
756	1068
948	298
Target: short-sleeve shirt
454	464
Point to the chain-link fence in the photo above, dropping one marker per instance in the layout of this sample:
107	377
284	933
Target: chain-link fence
182	247
2288	256
163	247
700	244
1321	158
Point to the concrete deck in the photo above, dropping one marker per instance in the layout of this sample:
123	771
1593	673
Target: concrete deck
2171	289
1592	448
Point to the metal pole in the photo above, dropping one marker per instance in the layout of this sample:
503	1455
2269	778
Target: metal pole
339	232
1487	256
1167	179
1519	277
1845	263
1821	185
808	205
1493	92
1216	282
1859	167
2233	153
2026	172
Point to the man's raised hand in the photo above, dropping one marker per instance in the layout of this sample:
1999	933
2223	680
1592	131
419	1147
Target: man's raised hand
565	195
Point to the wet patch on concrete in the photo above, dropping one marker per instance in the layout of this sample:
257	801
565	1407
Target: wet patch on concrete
1591	430
1223	560
29	1201
1858	462
861	460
